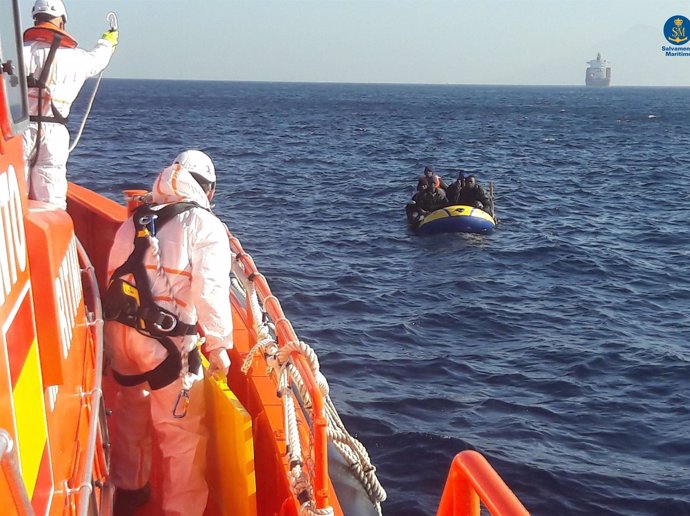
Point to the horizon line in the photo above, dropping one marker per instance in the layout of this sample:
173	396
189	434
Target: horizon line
260	81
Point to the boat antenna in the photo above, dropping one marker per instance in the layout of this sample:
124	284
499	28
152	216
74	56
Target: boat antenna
112	20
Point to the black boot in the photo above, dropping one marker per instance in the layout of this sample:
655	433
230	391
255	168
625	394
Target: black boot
127	501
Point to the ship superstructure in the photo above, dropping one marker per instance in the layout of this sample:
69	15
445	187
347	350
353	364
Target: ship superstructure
598	73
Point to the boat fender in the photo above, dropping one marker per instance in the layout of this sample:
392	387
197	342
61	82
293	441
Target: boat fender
352	495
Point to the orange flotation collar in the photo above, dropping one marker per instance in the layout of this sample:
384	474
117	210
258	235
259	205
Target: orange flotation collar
46	32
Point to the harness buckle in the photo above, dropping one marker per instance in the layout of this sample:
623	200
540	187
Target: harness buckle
145	220
148	221
166	322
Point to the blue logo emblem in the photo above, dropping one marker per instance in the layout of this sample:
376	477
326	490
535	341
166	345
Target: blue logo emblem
677	30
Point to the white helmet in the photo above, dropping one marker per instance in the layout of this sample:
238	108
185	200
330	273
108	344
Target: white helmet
199	164
53	7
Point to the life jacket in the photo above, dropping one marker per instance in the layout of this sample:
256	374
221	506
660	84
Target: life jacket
46	32
133	304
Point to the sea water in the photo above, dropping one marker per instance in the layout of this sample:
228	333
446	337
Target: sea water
557	346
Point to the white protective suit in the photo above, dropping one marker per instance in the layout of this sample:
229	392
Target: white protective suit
47	179
195	255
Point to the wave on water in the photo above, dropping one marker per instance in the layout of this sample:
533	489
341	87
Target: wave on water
557	346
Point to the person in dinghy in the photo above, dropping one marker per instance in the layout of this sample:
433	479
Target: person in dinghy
471	194
463	206
427	175
429	197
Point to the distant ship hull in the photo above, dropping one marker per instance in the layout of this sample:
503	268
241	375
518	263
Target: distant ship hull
598	82
598	74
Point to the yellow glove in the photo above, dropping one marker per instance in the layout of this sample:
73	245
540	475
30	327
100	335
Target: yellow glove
110	36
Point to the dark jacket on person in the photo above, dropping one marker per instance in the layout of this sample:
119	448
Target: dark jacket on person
431	199
453	190
472	196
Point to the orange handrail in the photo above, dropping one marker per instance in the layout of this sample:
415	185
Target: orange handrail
285	333
472	479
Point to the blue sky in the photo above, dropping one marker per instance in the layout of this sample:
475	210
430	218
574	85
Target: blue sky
386	41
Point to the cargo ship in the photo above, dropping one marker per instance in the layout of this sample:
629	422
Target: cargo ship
277	446
599	72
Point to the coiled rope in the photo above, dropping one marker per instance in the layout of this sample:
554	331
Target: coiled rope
279	361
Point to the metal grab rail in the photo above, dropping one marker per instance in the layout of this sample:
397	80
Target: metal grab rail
472	479
10	469
85	489
285	333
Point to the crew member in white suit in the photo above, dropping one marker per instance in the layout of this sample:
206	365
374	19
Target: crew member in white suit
55	79
186	264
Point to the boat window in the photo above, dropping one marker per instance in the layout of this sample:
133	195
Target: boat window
12	65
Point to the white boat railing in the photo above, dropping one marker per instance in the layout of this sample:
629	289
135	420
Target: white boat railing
94	398
13	475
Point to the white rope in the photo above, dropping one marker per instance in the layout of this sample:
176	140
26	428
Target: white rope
308	509
86	113
265	342
278	359
300	480
352	450
305	350
112	19
187	379
260	346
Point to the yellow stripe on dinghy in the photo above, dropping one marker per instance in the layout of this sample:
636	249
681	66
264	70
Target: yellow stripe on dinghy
458	211
231	474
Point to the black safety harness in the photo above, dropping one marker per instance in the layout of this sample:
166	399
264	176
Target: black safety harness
133	305
41	85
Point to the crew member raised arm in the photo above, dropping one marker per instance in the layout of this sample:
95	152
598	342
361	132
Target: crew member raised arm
56	71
